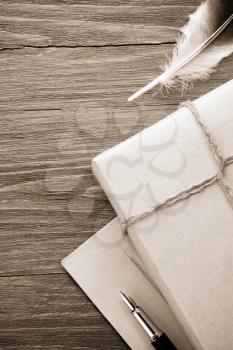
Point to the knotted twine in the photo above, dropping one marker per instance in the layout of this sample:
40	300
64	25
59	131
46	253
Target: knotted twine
220	162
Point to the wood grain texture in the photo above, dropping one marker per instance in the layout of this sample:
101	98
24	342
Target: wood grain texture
51	314
79	78
66	70
75	23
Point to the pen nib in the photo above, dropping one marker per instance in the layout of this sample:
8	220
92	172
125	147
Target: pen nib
129	302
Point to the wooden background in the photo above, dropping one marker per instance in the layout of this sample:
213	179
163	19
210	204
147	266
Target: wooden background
66	70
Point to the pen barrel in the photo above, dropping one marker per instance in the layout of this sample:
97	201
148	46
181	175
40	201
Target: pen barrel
163	343
146	323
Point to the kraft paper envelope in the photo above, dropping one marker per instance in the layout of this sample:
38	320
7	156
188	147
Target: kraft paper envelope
105	265
188	247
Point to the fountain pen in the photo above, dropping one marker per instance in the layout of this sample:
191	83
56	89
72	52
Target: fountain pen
159	340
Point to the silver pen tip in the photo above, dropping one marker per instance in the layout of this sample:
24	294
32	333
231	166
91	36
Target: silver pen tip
129	302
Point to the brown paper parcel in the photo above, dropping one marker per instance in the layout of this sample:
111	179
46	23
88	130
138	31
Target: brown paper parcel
187	246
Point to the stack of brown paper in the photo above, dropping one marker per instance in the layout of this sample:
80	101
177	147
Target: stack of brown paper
188	247
106	265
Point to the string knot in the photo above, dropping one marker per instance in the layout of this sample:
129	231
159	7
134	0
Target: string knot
220	164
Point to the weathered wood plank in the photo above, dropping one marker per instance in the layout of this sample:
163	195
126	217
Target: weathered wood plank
50	202
75	78
73	23
51	312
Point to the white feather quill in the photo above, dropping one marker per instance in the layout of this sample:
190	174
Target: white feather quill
206	39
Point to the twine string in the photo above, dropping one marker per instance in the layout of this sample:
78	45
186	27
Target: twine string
221	163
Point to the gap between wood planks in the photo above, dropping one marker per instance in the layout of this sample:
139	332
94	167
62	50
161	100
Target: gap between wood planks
83	46
33	274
